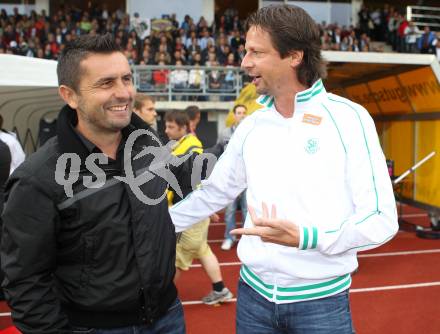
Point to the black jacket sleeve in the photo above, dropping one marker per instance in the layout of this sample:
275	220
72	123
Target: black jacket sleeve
28	256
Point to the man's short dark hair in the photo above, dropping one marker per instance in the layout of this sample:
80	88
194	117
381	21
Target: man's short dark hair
292	29
179	117
68	68
192	112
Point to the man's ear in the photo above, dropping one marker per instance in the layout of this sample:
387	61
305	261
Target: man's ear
69	96
296	58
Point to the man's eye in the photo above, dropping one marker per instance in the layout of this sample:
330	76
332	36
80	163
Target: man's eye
106	83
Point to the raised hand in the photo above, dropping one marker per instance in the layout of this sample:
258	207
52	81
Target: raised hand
270	228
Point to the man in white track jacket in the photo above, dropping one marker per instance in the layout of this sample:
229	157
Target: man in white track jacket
314	158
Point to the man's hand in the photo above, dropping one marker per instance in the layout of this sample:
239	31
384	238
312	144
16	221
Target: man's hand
271	229
215	218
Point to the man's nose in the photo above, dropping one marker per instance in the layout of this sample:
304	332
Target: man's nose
246	62
123	91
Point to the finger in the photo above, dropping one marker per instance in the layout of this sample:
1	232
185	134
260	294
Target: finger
268	222
265	210
252	213
273	213
245	231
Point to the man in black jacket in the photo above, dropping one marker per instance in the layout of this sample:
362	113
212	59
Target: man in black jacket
82	251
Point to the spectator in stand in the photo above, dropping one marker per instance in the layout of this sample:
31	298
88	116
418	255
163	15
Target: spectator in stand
215	79
179	45
210	49
197	59
206	39
236	24
178	55
364	19
241	52
163	55
325	41
412	33
401	43
196	78
193	49
179	77
160	77
223	54
237	40
186	23
166	45
427	41
146	57
336	39
364	43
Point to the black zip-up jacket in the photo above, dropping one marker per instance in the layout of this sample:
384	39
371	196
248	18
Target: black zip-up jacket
101	258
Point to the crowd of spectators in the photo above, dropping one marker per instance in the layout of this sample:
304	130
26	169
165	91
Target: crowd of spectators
198	44
390	25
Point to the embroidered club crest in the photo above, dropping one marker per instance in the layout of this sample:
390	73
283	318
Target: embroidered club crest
312	146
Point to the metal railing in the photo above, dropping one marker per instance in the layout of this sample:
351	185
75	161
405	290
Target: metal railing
177	83
424	16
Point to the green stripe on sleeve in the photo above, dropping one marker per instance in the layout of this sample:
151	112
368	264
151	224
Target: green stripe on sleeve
315	237
305	237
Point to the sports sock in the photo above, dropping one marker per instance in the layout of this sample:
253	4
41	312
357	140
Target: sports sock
218	286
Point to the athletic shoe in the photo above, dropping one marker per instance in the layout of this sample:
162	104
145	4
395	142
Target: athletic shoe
215	297
227	244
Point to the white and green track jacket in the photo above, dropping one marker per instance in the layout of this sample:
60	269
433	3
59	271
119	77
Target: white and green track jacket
325	171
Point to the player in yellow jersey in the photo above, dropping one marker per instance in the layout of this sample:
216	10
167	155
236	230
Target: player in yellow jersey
193	243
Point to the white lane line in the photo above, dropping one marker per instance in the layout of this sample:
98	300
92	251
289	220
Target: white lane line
223	264
396	287
414	215
378	288
198	302
427	251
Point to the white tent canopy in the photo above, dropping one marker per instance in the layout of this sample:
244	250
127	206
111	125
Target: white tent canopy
28	92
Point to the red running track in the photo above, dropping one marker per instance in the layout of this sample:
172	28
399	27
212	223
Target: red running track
396	290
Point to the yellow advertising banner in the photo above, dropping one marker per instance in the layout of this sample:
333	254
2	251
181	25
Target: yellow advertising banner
427	177
397	140
359	94
416	90
422	88
390	96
